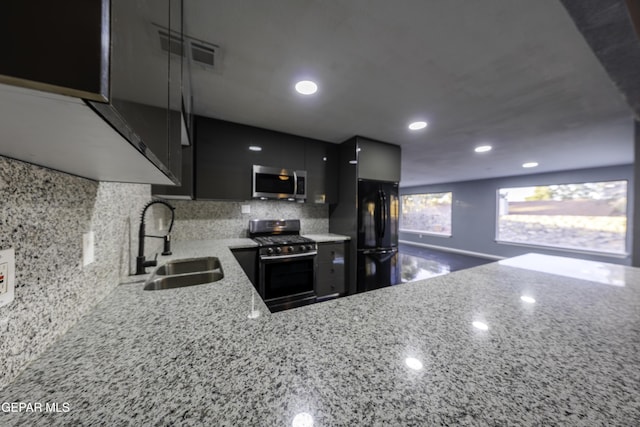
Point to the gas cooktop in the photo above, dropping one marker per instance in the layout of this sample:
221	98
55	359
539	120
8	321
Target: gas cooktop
292	239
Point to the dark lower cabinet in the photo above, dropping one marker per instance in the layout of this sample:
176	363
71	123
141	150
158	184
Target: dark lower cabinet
331	269
248	260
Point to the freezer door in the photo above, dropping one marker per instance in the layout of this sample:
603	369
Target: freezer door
377	269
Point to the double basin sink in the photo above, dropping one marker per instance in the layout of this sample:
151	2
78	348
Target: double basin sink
185	272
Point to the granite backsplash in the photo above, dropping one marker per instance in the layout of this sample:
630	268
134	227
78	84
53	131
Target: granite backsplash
196	220
43	217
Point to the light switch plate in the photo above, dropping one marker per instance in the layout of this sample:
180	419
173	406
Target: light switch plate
246	209
7	276
87	248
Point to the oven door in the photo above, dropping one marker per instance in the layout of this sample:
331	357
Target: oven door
287	281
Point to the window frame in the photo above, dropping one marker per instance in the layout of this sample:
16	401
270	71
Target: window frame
624	254
427	232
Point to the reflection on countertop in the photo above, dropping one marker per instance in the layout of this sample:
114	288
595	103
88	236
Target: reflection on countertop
593	271
490	345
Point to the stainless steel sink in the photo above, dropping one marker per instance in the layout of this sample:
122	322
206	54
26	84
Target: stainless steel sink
185	272
189	265
182	280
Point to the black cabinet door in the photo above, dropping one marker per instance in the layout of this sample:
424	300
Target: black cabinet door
109	53
321	163
186	189
378	160
248	260
143	101
226	152
331	269
56	46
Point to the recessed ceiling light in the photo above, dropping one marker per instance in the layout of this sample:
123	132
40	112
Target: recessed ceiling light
413	363
528	299
480	325
530	165
482	148
255	148
306	87
417	125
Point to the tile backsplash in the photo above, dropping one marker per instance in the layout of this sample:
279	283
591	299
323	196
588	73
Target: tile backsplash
196	220
43	216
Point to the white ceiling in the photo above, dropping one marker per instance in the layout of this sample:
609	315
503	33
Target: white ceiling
515	74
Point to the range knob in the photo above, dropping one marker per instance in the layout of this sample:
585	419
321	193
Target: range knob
278	250
290	248
269	251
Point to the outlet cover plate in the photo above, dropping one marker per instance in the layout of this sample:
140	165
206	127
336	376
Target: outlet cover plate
7	276
87	248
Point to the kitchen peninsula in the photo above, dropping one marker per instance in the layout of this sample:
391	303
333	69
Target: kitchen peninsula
565	354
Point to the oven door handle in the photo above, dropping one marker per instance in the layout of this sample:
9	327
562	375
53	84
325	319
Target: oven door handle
306	254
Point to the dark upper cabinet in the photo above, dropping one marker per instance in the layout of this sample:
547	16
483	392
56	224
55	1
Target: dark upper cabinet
321	164
109	53
378	160
224	159
43	41
371	159
186	188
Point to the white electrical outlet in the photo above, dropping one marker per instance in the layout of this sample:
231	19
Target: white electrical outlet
7	276
246	209
87	248
160	224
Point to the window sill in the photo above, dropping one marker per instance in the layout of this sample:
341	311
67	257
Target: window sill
565	249
428	233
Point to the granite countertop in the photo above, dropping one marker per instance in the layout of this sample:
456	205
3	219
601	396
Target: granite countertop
192	356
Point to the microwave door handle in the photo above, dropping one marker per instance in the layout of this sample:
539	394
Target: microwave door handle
295	184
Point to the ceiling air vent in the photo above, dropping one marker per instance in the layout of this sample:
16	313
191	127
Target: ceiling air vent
170	43
199	52
203	53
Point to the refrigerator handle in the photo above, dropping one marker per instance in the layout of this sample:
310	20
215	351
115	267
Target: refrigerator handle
385	214
379	216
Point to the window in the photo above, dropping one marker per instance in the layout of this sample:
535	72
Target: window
426	213
585	216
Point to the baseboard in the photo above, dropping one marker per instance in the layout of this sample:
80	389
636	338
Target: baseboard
452	250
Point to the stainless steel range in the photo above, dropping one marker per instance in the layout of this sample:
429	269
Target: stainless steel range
286	263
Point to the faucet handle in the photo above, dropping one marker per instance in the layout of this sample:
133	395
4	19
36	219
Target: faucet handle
167	246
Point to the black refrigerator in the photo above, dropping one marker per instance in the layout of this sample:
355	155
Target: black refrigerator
377	249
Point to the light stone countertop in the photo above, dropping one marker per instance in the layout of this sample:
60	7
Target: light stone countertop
191	356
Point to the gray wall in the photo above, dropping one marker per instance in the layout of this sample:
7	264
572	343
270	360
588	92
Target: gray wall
43	216
474	212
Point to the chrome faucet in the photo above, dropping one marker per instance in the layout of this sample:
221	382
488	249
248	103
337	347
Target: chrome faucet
141	263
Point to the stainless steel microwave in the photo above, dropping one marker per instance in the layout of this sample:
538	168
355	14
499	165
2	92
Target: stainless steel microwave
276	183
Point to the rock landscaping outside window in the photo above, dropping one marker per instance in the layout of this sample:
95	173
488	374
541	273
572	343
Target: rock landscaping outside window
586	216
426	213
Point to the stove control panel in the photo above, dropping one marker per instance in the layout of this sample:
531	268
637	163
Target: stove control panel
285	250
